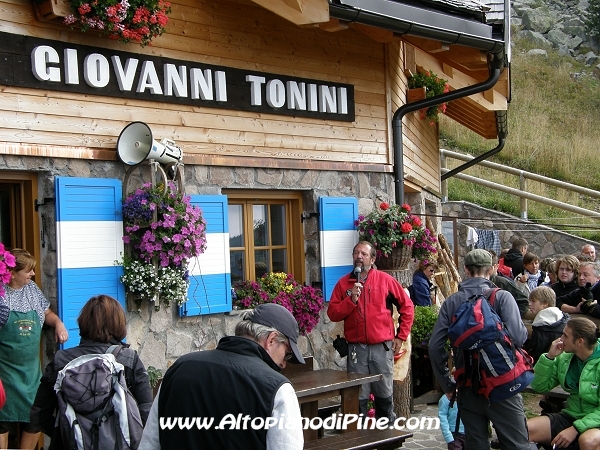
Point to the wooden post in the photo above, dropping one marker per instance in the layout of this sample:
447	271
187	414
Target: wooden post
523	187
402	388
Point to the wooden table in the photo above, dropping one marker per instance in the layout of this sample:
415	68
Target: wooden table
311	386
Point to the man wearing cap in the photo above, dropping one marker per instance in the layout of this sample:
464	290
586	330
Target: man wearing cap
475	410
238	385
363	300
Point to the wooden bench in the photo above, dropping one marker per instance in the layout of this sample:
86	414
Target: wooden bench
361	440
557	392
326	406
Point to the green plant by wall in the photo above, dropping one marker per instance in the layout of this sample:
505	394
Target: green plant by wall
425	318
434	87
154	375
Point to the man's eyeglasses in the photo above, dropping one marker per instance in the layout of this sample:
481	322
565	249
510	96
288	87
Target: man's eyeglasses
289	354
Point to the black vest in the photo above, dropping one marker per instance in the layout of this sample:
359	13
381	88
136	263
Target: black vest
238	379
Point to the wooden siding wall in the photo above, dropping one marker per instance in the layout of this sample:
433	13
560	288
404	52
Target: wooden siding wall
421	148
234	34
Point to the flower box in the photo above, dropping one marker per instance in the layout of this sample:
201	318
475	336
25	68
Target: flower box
52	10
412	95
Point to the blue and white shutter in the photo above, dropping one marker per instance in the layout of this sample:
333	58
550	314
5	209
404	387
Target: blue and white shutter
210	273
338	236
89	232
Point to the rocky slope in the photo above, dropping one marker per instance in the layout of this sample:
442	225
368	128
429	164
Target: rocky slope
556	24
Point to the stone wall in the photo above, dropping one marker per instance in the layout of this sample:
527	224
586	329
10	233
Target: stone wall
543	241
162	336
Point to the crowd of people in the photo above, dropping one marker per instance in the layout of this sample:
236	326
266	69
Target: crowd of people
242	375
558	298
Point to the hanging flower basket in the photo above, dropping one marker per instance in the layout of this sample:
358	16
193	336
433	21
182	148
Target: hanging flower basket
137	21
398	260
396	234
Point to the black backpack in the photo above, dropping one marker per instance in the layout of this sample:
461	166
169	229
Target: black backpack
96	410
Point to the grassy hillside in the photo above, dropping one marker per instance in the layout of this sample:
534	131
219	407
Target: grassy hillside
554	130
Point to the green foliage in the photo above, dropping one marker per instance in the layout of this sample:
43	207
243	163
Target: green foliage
425	318
434	86
592	18
154	375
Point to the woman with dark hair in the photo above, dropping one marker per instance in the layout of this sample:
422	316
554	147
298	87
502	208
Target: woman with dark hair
23	311
101	325
420	290
573	362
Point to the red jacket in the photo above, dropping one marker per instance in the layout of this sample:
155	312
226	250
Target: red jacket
370	320
2	395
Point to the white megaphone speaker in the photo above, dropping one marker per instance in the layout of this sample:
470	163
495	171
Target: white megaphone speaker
136	144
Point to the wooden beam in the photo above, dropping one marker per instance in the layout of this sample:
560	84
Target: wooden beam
333	25
300	12
448	70
377	34
459	79
295	4
489	95
409	60
458	56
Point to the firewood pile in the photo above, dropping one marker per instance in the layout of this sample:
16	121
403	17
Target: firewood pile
447	276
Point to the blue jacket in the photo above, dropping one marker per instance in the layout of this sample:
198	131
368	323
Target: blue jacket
447	417
420	291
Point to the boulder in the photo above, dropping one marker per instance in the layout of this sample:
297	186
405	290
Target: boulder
535	38
574	26
560	40
591	59
537	52
540	20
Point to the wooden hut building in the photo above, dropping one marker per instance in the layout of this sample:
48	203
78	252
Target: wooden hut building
290	114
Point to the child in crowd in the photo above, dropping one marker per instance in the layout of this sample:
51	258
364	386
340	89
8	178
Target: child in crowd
548	265
532	276
447	415
548	323
547	326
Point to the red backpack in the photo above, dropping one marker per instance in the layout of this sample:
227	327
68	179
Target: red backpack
504	269
493	365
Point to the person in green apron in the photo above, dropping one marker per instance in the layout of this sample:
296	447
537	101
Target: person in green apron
23	311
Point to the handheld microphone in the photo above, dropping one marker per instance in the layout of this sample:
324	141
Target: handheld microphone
357	270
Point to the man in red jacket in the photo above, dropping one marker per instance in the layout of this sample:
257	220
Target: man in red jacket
363	300
2	395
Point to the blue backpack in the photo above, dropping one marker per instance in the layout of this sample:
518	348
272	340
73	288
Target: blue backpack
493	365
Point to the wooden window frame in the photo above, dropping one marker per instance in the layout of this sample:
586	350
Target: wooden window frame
294	229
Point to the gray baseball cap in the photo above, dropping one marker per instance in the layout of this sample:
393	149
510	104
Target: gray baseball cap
478	257
278	317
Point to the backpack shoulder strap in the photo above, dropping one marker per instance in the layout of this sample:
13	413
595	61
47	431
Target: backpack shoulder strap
114	349
490	295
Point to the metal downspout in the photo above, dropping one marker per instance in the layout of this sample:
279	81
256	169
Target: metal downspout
498	64
474	161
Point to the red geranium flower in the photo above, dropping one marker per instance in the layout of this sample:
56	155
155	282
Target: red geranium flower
384	206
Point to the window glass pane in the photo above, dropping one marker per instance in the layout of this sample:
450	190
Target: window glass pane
236	226
280	260
238	265
261	263
261	225
277	225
